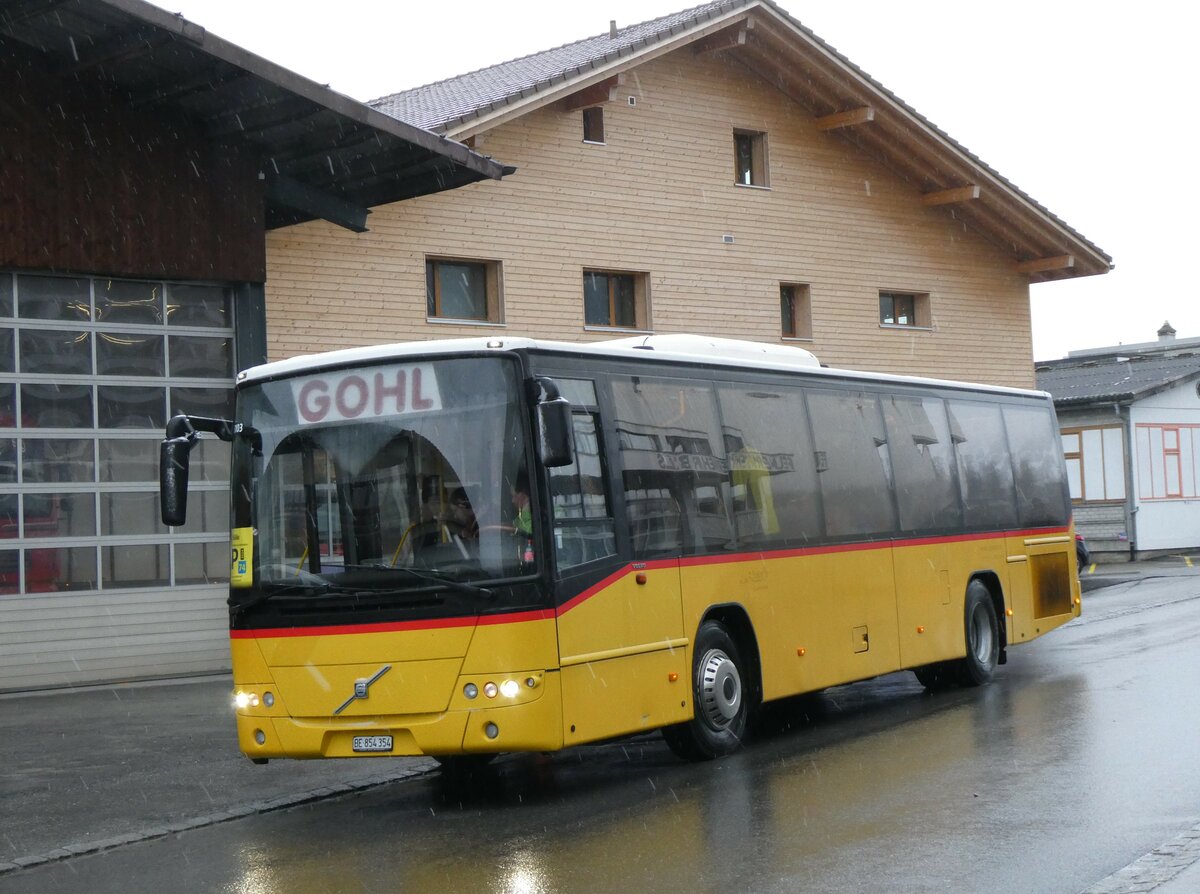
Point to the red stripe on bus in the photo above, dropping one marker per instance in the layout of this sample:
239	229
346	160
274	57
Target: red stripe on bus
614	577
542	614
610	580
734	558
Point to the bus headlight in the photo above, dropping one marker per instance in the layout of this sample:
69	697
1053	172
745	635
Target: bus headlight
514	688
246	700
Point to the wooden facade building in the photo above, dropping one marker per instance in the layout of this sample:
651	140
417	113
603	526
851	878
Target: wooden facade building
721	170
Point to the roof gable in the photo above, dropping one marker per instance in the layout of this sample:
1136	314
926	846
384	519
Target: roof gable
845	102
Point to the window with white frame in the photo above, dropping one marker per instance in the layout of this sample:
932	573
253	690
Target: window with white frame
1095	463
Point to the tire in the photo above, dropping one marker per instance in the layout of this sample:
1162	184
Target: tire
721	698
983	637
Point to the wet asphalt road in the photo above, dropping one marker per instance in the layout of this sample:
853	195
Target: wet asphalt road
1078	759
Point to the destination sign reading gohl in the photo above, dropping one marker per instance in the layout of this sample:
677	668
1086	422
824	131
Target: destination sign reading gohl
366	393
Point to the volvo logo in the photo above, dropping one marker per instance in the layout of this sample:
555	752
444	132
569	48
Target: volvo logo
361	687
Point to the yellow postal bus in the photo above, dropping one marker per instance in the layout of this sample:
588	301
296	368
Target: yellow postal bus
474	546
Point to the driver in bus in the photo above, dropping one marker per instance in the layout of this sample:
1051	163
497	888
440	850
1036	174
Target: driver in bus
523	522
461	517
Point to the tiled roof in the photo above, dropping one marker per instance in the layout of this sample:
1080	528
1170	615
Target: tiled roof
445	103
1114	378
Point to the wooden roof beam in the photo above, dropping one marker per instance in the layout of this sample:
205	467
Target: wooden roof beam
595	95
729	39
953	196
1041	265
851	118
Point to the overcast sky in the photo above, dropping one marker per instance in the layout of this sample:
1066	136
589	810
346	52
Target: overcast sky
1086	106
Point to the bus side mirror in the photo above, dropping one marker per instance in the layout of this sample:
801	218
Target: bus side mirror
181	437
555	433
173	459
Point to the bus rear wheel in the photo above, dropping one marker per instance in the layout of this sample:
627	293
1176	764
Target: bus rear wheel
983	637
719	697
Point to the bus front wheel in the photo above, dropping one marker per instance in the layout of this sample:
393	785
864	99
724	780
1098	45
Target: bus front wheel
983	637
719	698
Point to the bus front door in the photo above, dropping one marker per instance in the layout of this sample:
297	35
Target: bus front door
623	654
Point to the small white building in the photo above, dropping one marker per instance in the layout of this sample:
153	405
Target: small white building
1130	422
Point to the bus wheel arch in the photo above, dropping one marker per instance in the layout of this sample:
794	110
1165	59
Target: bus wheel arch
983	587
725	686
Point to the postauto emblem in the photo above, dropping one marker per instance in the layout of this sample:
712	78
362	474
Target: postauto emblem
361	686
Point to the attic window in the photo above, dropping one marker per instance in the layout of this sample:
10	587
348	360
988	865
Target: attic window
593	125
750	158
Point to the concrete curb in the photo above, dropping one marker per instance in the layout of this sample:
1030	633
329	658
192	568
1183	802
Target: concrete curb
221	816
1155	869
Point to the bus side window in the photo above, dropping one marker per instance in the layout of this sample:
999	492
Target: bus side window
856	479
673	468
1038	467
984	466
923	462
583	523
776	499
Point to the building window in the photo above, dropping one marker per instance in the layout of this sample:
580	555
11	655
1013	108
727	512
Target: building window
90	371
614	299
457	289
750	158
593	125
904	309
1168	462
1095	460
795	311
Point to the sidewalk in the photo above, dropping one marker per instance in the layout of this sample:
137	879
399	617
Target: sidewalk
88	769
1110	574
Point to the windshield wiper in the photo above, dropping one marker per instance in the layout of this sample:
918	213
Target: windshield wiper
313	586
430	577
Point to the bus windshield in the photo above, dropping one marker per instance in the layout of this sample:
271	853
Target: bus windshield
387	477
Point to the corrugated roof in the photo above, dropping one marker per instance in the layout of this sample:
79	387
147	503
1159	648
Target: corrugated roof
1120	379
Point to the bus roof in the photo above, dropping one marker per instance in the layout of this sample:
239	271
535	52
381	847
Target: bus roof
680	348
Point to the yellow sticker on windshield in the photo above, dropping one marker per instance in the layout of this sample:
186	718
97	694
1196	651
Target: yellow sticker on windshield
242	572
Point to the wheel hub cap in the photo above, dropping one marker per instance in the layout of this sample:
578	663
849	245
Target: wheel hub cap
720	689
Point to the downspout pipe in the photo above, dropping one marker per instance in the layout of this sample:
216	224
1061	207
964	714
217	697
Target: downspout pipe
1124	412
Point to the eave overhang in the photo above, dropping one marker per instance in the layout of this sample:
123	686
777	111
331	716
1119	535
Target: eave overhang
322	154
